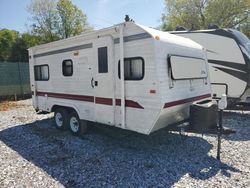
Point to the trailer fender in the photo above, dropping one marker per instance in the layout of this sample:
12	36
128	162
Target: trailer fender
69	108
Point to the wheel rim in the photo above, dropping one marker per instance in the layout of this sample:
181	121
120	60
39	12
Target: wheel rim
59	119
74	124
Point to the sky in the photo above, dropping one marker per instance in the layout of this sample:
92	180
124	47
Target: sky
100	13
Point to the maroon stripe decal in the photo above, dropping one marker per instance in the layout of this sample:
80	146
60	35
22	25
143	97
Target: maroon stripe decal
183	101
97	100
129	103
67	96
105	101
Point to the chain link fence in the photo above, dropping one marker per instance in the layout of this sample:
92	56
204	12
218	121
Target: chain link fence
14	80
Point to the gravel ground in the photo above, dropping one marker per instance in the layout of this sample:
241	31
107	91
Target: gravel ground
34	154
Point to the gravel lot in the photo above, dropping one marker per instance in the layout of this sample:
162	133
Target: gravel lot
34	154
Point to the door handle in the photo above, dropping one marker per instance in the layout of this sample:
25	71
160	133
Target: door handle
92	84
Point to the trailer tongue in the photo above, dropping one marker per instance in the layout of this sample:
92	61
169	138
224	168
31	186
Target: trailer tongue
206	118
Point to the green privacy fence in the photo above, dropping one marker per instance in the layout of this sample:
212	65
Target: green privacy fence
14	79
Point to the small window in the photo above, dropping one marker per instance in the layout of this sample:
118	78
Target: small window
103	60
67	68
41	72
133	68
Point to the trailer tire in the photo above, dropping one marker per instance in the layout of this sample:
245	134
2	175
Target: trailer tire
76	126
61	118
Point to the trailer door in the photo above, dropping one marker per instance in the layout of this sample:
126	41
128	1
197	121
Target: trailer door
103	80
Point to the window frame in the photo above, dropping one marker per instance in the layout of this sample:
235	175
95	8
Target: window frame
171	70
107	67
130	59
67	66
40	71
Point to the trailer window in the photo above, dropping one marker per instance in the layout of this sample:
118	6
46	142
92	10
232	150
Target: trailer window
133	68
67	67
41	72
187	67
103	60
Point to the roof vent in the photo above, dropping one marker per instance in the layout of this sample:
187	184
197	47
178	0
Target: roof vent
213	26
127	19
180	28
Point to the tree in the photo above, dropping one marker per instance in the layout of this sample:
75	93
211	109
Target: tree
230	13
245	28
19	52
45	18
72	20
13	45
198	14
7	41
31	40
54	20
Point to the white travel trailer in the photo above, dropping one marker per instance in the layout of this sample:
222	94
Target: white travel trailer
129	76
228	53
